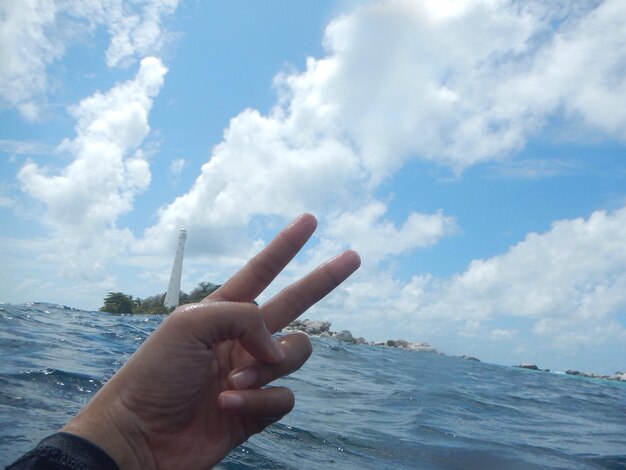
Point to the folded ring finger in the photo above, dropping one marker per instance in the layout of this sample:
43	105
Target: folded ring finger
297	349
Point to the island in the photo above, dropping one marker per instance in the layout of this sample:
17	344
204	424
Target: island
118	302
322	329
617	376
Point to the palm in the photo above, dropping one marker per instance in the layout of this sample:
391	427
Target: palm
205	434
180	401
183	423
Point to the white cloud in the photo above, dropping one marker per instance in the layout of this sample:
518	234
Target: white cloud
575	271
84	200
258	170
36	33
176	166
25	52
376	239
457	83
537	169
501	334
569	283
136	32
454	82
25	148
462	82
582	69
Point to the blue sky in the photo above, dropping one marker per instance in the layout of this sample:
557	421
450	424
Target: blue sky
471	151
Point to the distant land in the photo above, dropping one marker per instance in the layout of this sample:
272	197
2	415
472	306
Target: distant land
618	376
322	329
118	302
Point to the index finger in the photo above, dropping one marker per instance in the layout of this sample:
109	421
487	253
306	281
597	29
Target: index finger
261	270
214	322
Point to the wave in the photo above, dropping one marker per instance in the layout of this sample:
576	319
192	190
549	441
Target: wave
358	406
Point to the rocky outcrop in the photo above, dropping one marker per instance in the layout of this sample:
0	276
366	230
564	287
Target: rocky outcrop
310	327
618	376
404	344
470	358
345	336
322	329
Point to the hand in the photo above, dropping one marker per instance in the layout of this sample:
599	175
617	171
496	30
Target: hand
192	391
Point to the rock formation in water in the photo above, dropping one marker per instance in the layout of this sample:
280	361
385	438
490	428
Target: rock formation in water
618	376
322	328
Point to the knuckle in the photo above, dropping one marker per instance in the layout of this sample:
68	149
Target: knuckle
179	316
263	269
335	282
254	313
296	300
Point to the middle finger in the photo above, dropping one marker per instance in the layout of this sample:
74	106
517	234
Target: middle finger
295	299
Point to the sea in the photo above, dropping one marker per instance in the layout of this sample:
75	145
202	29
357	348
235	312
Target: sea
358	406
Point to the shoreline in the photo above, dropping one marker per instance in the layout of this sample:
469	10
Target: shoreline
618	376
321	328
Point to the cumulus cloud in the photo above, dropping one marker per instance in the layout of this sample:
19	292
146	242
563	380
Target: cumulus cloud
376	238
569	283
36	33
83	201
457	83
25	52
576	270
462	82
258	170
135	31
453	82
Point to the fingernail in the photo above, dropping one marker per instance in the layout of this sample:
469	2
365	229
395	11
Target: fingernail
277	351
244	378
305	223
341	270
231	401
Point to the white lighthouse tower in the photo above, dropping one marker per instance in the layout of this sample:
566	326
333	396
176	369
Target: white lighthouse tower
173	290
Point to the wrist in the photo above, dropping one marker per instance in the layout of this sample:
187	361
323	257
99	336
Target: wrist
114	433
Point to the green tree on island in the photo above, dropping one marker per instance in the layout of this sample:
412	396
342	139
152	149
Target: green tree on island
200	292
118	302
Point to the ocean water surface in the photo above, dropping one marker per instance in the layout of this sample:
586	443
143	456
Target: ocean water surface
358	406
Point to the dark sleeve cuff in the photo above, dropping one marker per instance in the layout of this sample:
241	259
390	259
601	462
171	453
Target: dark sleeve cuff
64	451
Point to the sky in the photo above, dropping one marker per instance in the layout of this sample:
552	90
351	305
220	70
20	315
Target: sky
471	151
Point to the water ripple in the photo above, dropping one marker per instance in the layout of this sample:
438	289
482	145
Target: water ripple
357	406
